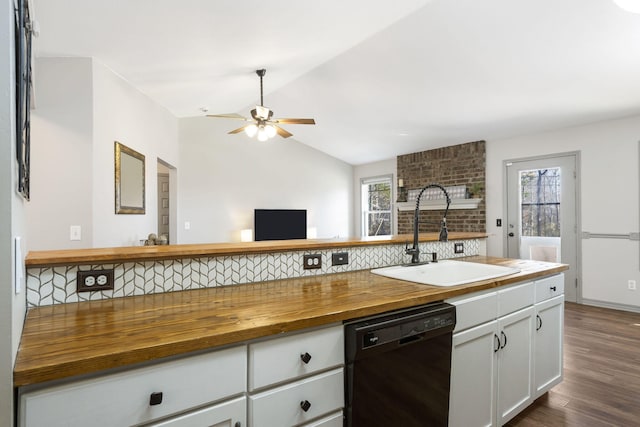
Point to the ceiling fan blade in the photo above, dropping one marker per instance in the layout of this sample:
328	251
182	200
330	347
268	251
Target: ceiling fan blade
228	116
237	130
283	133
296	121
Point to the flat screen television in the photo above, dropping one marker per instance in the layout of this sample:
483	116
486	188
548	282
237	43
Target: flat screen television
280	224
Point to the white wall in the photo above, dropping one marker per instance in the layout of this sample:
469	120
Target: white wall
609	199
12	220
61	147
381	168
123	114
228	176
82	108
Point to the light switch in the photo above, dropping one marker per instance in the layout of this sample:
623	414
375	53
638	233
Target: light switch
187	225
75	232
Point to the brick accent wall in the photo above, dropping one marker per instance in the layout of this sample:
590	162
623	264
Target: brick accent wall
462	164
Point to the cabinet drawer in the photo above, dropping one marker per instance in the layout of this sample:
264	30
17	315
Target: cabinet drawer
281	406
549	287
229	413
281	359
475	310
333	420
515	298
124	398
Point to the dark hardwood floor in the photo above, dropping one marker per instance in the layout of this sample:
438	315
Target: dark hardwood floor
601	384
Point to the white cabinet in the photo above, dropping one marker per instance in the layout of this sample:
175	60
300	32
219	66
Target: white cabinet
138	395
515	363
507	350
492	358
473	376
297	378
548	334
294	379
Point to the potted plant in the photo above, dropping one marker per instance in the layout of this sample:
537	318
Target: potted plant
475	190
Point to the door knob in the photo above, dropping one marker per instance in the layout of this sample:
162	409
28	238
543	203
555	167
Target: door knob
511	234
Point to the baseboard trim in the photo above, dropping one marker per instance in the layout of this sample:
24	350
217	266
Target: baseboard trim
612	305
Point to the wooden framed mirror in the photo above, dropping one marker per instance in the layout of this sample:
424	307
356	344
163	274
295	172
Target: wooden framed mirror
129	180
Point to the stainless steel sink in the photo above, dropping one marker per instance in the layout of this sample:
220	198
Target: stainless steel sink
446	272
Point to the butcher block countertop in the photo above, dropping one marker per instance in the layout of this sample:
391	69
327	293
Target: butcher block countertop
150	253
65	340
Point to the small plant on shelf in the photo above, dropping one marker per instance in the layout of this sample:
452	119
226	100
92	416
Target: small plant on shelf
475	190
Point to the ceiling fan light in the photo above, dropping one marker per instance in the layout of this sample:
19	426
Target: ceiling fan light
632	6
251	130
262	134
270	130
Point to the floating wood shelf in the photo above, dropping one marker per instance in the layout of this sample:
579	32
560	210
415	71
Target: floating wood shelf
432	205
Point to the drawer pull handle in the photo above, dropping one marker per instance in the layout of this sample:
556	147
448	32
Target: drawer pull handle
305	405
553	288
155	399
305	357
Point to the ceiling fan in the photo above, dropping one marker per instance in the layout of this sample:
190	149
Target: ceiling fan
263	125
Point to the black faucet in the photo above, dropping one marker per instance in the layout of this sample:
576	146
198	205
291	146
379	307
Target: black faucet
444	235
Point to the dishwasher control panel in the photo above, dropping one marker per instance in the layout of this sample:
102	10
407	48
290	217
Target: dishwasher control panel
403	327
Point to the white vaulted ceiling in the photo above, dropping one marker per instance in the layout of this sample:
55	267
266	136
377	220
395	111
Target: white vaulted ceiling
381	78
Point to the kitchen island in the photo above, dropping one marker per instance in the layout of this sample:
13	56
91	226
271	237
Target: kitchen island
65	340
231	334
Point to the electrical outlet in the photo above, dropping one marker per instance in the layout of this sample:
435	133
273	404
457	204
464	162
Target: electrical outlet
632	285
94	280
458	248
310	262
340	258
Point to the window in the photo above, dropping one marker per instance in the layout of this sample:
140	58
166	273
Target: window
540	202
376	206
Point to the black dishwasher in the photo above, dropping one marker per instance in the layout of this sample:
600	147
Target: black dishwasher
399	367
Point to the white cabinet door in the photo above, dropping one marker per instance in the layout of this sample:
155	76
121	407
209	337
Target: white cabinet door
232	413
515	363
473	377
548	344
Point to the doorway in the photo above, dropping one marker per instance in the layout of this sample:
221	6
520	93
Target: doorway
166	196
542	215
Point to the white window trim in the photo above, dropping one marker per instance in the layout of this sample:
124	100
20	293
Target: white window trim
363	214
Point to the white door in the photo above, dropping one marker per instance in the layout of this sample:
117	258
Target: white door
541	213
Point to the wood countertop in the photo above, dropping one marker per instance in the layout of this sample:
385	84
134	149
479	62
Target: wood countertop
64	340
149	253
